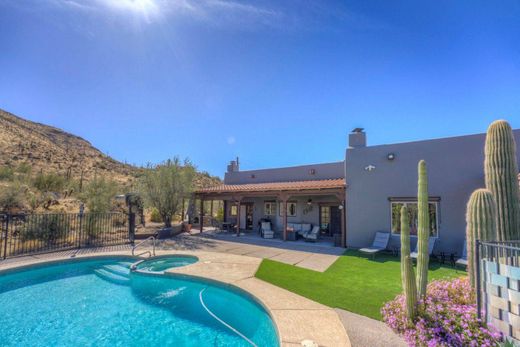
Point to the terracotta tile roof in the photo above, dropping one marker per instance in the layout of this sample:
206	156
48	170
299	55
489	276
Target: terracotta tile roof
275	186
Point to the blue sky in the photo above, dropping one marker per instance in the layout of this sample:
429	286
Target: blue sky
275	82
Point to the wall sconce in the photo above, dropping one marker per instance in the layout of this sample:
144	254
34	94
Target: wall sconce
370	168
390	156
312	172
309	202
341	207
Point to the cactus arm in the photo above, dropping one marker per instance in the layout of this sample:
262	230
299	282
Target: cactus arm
423	232
407	272
481	219
501	170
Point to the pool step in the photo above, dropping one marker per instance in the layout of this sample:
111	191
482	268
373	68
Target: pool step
108	275
117	269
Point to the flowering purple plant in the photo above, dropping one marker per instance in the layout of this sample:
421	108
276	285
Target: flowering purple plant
446	317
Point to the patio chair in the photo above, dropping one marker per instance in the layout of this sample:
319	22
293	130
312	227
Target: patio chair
380	243
312	236
431	244
463	260
266	231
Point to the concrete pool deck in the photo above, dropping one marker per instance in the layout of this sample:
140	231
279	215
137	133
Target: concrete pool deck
296	318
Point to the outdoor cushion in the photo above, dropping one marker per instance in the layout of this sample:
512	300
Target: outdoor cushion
266	226
431	244
313	234
380	243
268	234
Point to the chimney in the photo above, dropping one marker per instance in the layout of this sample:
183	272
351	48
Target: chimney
357	138
233	166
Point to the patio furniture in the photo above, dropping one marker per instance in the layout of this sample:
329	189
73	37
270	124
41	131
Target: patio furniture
267	232
431	245
312	236
300	229
380	243
463	261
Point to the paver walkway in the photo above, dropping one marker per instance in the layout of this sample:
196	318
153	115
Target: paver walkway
363	331
317	258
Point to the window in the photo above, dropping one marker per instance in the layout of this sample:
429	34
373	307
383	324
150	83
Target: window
291	209
412	210
234	210
269	208
325	217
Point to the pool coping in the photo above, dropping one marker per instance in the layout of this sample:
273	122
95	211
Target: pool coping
296	318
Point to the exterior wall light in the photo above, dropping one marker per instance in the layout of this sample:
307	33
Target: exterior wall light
370	168
390	156
340	207
309	202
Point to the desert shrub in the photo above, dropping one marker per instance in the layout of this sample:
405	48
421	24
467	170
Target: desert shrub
447	317
49	182
6	173
98	195
12	197
164	187
155	216
24	169
47	228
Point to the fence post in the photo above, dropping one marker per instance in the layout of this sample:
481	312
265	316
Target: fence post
81	210
131	224
6	234
478	285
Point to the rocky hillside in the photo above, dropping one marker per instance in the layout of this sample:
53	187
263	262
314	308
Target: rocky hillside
50	149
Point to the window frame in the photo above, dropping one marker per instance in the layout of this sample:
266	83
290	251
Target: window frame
405	201
272	209
295	203
233	210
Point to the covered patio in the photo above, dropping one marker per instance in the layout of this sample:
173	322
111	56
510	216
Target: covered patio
287	206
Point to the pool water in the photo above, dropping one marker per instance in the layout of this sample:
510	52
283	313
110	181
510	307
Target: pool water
159	264
100	303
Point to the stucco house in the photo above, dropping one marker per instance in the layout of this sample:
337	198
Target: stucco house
351	200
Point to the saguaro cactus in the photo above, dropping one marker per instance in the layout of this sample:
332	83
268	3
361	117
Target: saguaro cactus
407	273
481	219
501	171
423	232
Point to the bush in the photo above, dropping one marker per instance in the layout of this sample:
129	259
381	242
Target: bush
12	197
446	317
49	182
47	228
6	173
155	216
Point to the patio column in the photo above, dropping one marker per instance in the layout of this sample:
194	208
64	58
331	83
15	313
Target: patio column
225	211
211	209
284	199
238	217
201	216
182	211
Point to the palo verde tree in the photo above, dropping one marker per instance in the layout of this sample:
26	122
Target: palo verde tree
165	185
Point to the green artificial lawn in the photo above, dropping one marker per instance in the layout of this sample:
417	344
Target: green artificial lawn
354	282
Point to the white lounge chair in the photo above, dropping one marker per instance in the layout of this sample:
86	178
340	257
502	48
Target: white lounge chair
380	243
431	244
266	231
463	260
312	236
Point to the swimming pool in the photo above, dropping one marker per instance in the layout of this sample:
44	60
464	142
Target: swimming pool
99	302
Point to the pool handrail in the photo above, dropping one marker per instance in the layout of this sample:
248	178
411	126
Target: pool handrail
141	243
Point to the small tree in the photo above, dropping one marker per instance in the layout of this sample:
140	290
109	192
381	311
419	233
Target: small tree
165	185
98	195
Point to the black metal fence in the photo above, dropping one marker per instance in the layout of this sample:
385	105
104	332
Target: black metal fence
24	234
